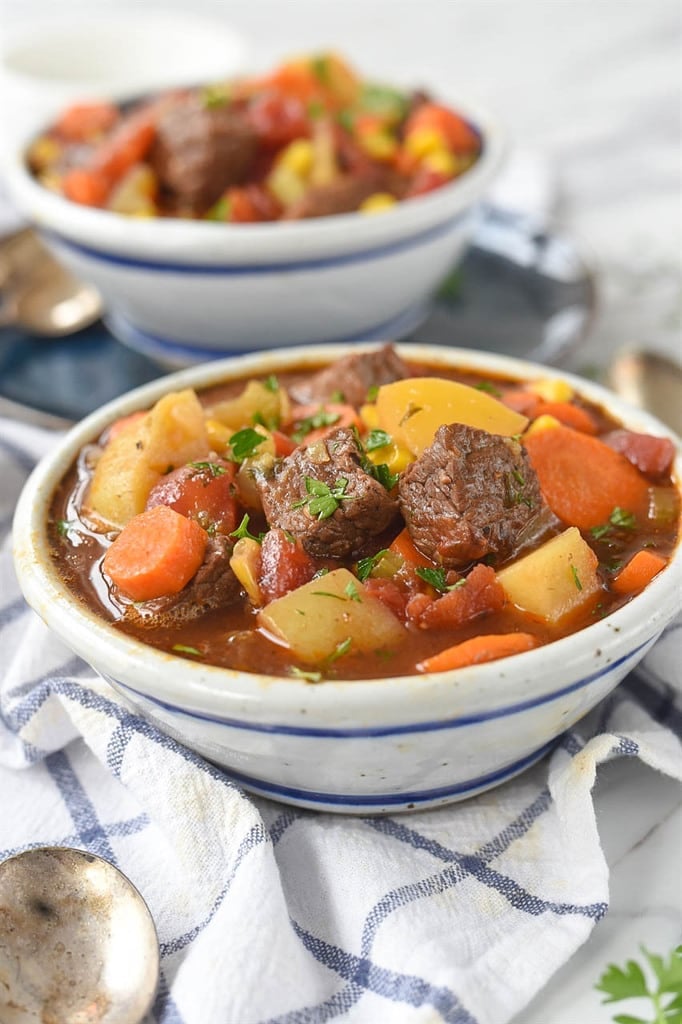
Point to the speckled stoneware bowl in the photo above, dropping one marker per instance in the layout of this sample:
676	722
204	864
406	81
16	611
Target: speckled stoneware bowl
367	746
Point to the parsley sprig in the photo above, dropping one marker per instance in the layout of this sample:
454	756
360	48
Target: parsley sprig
244	443
214	469
631	982
438	579
323	500
322	418
620	518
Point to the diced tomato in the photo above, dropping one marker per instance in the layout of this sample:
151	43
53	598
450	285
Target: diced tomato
480	594
278	119
285	565
203	491
457	134
651	455
249	204
82	122
283	444
389	593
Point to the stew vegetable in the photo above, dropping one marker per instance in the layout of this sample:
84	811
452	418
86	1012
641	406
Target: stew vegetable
310	139
368	519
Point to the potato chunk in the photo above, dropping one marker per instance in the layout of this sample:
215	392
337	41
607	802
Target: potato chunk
171	434
554	580
411	410
313	620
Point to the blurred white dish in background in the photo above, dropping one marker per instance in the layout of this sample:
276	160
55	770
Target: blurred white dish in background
56	61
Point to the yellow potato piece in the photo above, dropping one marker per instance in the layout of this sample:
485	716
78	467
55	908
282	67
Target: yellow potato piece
554	580
315	619
171	434
411	410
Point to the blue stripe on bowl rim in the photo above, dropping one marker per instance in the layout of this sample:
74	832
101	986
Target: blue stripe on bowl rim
412	797
184	352
373	732
412	241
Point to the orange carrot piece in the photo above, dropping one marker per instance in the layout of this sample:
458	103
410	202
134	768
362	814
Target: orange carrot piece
582	479
477	650
83	121
568	414
156	553
458	135
86	186
346	415
520	401
403	546
639	571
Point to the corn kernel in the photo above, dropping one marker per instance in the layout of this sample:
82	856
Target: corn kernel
423	141
393	455
552	390
369	415
379	145
297	157
377	202
441	161
43	152
544	422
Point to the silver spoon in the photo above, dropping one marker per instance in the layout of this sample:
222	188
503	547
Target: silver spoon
38	294
650	381
77	941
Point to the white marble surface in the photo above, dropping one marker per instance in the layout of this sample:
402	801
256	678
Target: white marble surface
596	89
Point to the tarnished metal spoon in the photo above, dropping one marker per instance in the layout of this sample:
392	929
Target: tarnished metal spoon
650	381
38	294
77	941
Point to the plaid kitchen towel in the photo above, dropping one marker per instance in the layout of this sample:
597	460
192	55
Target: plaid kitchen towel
271	914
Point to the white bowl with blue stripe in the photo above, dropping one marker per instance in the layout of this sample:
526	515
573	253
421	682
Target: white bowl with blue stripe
366	746
185	291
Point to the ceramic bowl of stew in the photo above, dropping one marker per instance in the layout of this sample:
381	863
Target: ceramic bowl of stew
360	579
308	205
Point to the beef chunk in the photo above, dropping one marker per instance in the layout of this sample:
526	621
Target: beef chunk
201	151
337	527
344	194
213	586
469	495
353	377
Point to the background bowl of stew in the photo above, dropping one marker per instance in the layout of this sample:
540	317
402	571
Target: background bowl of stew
186	290
366	744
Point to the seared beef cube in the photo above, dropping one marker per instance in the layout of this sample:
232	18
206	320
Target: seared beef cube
200	151
344	194
353	377
322	495
468	496
213	586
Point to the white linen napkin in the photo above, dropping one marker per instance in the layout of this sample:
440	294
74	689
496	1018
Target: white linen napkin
271	914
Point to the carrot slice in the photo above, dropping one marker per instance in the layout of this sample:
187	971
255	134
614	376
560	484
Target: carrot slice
477	650
81	121
403	546
85	186
583	479
568	414
303	416
639	571
155	554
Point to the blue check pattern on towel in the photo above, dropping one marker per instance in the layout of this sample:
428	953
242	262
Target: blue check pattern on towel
270	914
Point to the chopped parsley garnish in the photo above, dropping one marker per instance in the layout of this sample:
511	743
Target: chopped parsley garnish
384	476
372	393
576	578
243	530
337	396
515	484
186	649
320	68
221	210
620	518
321	418
437	578
244	443
213	468
340	649
366	565
301	673
352	592
377	439
485	385
323	500
271	383
315	109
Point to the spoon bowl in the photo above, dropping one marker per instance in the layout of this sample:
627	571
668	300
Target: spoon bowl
649	380
38	294
78	942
